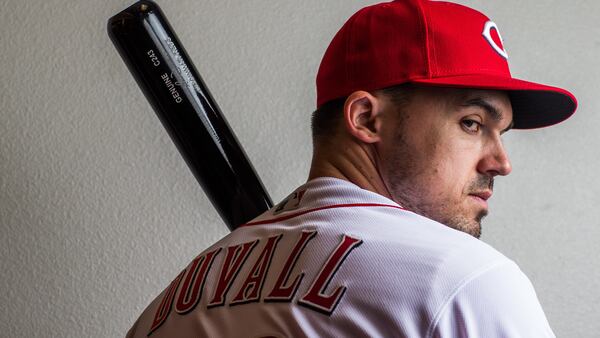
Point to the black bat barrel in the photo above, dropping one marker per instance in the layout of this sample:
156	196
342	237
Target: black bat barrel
170	82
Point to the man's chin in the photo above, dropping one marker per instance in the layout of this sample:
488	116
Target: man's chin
471	229
476	232
469	226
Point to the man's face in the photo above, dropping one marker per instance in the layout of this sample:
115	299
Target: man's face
440	152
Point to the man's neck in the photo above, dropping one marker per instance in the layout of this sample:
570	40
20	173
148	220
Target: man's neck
354	164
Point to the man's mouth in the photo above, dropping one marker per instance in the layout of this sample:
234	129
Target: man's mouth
484	195
481	198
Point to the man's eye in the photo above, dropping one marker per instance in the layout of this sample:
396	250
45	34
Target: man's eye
471	125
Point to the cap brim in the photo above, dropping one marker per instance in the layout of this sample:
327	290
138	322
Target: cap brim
534	105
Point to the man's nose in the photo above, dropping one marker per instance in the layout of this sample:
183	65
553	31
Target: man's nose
495	161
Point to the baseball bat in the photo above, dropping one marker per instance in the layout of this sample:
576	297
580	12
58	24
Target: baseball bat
163	70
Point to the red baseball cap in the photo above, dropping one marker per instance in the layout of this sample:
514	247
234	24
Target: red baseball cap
432	43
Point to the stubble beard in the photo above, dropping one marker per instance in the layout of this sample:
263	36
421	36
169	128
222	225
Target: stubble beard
443	212
402	174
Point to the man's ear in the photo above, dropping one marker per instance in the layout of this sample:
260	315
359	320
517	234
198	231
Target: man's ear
362	116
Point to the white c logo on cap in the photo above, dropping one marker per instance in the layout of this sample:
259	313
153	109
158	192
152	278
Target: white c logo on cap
487	34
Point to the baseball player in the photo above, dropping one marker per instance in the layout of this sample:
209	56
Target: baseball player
382	240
